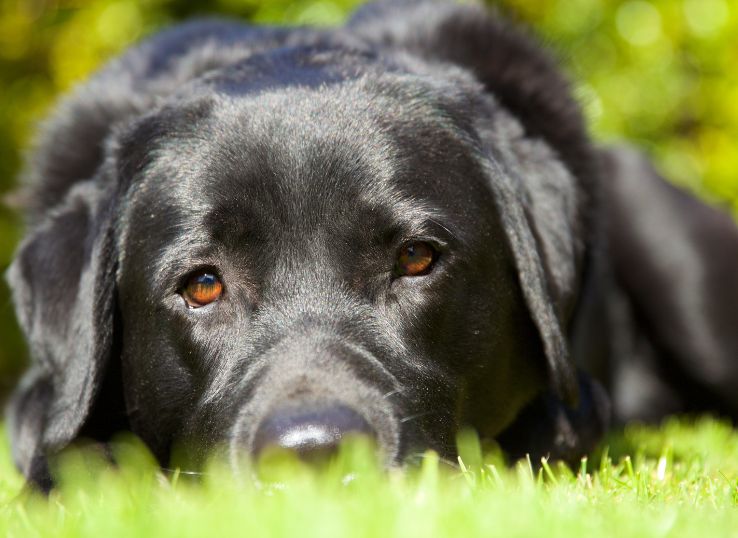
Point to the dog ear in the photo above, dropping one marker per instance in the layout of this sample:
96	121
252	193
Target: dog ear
62	281
536	150
546	275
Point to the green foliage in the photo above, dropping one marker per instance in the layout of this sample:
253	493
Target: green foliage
662	73
679	480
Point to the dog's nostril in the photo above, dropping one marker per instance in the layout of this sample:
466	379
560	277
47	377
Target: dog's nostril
313	433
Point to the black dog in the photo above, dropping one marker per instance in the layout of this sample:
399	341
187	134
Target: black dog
246	236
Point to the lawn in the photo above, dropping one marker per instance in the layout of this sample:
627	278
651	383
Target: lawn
676	480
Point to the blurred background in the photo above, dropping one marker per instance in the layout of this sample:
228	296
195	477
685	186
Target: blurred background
660	73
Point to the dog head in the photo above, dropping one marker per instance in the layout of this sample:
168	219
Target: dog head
312	241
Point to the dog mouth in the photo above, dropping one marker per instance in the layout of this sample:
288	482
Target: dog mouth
310	392
314	426
319	433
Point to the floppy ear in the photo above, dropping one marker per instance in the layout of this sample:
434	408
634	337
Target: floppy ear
546	281
535	149
62	281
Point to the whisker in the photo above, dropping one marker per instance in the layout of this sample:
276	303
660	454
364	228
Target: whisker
181	472
449	463
413	417
391	393
416	457
413	458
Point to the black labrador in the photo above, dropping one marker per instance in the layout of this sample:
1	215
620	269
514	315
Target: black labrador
242	237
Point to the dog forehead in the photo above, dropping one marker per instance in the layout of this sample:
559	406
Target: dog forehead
362	144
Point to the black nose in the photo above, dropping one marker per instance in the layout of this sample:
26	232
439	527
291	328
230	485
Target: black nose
313	432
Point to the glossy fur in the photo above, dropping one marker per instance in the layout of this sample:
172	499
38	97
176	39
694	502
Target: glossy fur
295	163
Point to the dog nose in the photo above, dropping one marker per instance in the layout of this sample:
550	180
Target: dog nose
313	433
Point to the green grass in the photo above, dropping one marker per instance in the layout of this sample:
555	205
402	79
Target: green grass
677	480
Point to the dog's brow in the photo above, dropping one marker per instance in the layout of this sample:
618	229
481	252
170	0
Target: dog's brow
426	226
443	227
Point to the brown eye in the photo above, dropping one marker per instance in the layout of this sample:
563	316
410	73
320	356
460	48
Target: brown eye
202	289
415	259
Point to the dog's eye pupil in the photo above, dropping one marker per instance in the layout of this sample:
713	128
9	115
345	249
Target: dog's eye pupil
202	289
415	259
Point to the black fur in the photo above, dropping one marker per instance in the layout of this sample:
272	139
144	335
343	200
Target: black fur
294	163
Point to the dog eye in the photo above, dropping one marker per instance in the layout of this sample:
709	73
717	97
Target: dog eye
202	289
415	259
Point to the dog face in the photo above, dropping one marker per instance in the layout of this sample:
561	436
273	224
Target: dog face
285	237
358	269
